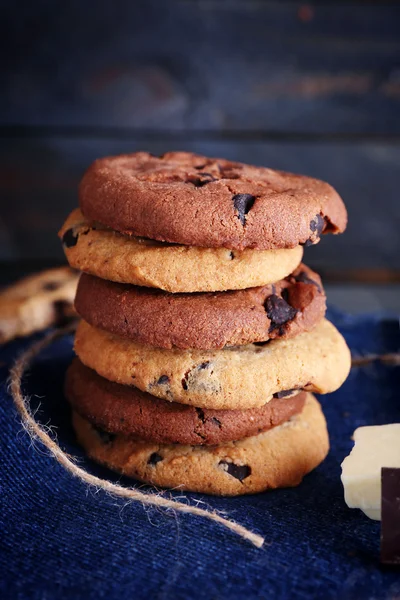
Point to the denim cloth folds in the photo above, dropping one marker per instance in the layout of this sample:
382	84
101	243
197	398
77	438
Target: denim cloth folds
60	540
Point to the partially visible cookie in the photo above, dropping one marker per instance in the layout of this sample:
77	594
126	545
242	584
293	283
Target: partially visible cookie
277	458
206	320
237	377
190	199
95	249
36	302
123	409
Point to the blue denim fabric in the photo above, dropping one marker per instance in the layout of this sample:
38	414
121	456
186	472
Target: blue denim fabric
59	540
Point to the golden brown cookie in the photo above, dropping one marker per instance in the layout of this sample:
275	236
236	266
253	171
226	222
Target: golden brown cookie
237	377
36	302
205	320
123	409
100	251
277	458
190	199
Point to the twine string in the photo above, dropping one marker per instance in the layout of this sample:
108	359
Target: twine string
37	432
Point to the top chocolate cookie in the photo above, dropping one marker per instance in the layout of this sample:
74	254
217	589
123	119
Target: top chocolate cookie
190	199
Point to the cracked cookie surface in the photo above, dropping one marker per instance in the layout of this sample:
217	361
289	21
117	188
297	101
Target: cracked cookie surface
205	320
236	377
276	458
190	199
98	250
121	409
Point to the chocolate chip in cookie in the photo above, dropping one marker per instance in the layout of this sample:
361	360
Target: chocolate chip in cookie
70	238
193	379
243	203
105	437
286	393
317	226
154	459
279	311
202	179
238	471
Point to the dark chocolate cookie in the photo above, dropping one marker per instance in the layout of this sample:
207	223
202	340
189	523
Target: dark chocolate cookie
120	409
190	199
204	320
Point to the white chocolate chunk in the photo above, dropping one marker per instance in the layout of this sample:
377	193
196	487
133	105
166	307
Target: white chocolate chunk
374	447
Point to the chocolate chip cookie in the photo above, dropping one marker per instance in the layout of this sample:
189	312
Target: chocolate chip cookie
190	199
205	320
100	251
276	458
36	302
122	409
237	377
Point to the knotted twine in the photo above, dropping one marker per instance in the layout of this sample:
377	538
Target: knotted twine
37	432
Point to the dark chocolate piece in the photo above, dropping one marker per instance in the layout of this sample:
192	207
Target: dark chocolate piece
200	367
229	171
204	365
238	471
69	239
163	379
279	311
285	393
154	459
264	343
390	528
200	414
203	179
105	437
317	225
243	203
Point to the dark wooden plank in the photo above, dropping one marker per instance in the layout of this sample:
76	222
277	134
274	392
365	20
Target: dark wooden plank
185	65
39	177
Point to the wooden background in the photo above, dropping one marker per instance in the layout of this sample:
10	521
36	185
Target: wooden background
311	88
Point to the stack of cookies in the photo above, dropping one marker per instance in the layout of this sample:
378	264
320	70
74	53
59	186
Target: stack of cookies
202	333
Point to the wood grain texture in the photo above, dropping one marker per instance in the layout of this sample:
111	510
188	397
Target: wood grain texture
202	65
312	88
39	177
